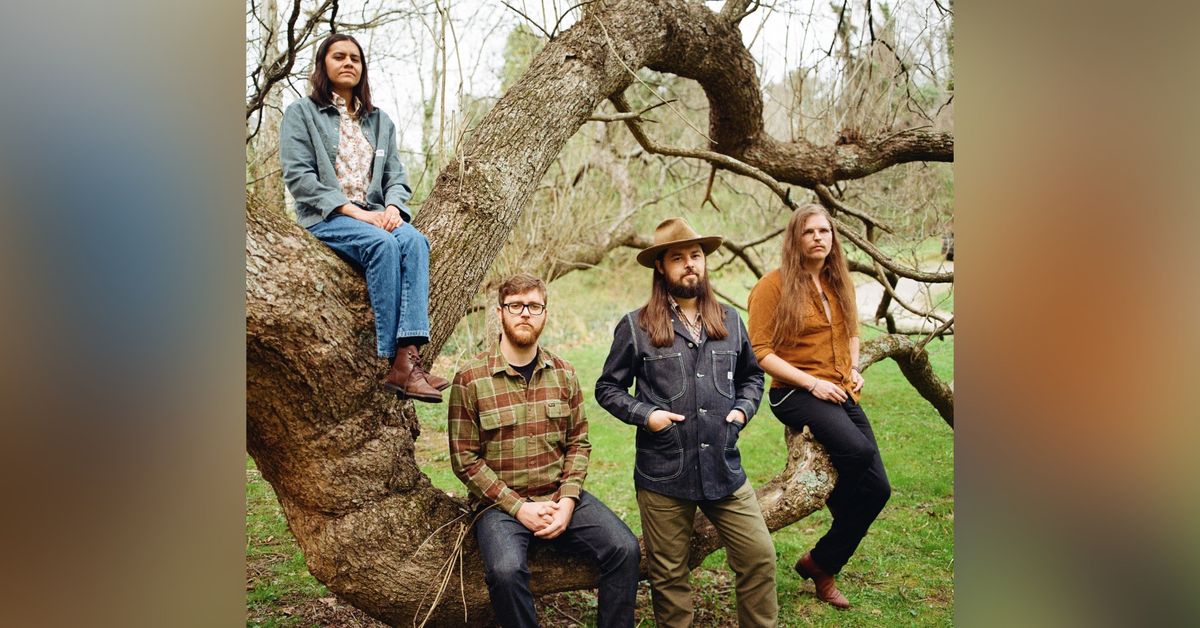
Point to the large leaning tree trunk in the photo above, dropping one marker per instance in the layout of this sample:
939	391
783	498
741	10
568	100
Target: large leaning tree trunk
338	450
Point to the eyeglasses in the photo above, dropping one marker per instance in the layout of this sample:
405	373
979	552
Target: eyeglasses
535	309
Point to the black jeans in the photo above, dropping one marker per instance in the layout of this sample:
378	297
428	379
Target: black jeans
862	486
594	530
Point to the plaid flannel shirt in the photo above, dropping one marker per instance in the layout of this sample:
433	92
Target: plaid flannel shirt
511	442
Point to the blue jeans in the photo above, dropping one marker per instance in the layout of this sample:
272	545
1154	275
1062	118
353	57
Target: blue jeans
396	266
594	531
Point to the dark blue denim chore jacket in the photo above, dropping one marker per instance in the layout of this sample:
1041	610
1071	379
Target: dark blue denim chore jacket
695	459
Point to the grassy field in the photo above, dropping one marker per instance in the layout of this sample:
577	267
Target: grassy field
902	573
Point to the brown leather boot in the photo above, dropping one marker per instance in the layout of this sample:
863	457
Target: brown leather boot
440	383
827	590
408	379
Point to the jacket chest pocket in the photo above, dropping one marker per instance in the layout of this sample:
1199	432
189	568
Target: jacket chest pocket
723	365
664	376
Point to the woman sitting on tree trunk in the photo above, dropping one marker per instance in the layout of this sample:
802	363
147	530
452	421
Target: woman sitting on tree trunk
808	342
340	163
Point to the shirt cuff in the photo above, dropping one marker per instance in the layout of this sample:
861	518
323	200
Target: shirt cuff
746	407
569	490
332	203
640	415
510	502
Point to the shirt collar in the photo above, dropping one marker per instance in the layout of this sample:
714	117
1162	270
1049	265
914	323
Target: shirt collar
675	307
497	363
340	102
695	330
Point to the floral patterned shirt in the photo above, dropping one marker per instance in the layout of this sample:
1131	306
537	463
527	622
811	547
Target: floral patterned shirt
355	154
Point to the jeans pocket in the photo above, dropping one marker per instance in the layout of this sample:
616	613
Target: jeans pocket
664	376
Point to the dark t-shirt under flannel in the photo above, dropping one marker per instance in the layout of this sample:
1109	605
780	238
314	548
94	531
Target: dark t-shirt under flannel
511	441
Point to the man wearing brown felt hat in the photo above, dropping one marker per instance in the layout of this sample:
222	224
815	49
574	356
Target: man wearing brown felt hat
697	385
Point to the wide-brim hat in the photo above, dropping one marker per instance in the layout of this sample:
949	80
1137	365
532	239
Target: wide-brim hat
676	232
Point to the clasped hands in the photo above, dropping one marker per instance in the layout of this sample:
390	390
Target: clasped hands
387	219
547	519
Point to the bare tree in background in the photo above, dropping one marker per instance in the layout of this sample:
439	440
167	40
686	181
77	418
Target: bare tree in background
339	451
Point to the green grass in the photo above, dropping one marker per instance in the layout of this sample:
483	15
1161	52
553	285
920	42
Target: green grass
275	568
902	573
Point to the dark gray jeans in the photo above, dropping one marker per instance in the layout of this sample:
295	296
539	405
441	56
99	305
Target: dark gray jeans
862	486
595	531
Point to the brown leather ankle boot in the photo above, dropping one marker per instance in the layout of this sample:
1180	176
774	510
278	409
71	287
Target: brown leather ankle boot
826	586
408	379
440	383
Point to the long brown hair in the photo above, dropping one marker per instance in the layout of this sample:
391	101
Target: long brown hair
835	274
655	316
322	90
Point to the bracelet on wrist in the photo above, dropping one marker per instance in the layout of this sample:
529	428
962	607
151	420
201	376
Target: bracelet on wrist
814	384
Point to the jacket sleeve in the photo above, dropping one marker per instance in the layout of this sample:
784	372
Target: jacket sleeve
622	365
395	179
298	158
465	450
575	459
748	375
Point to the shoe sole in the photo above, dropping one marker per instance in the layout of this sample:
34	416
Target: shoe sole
401	394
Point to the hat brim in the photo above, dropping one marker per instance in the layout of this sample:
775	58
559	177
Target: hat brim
707	244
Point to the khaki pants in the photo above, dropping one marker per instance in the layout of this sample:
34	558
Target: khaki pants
667	532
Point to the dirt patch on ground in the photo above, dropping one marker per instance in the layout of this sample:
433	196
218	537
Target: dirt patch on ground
325	611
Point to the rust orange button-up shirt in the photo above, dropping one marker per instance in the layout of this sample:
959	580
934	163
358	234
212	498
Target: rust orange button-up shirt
821	350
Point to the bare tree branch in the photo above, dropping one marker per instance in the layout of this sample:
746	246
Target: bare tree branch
879	256
739	250
725	161
908	331
735	11
834	205
914	364
281	67
632	115
708	197
937	333
527	19
729	300
887	286
841	21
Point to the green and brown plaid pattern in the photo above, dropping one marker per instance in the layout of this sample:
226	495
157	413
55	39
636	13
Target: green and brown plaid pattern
510	442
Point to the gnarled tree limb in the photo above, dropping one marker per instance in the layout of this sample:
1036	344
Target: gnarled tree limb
914	364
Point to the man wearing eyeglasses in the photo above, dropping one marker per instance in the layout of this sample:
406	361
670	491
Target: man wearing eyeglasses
518	440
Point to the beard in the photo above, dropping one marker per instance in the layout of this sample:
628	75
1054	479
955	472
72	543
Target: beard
520	335
685	290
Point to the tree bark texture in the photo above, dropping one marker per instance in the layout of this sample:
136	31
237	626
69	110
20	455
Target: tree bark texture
338	450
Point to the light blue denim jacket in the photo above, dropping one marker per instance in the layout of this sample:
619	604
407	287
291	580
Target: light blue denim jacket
308	145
